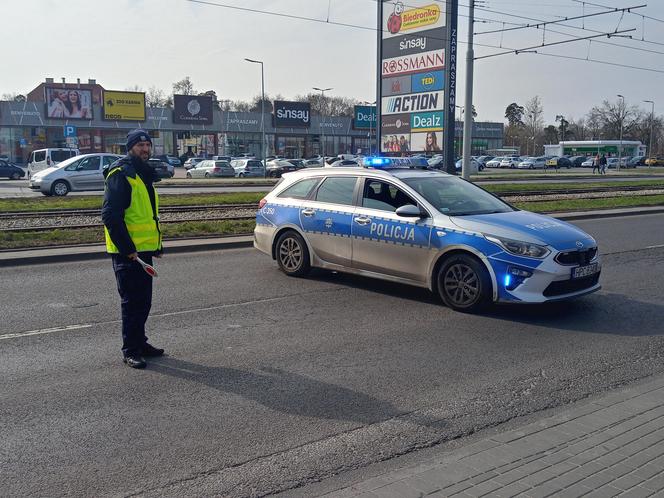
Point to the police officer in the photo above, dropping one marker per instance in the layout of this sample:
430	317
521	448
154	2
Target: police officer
131	225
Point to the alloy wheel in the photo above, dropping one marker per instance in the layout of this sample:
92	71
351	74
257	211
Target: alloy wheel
461	284
290	254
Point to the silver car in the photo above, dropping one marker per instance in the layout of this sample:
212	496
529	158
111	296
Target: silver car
248	168
211	169
425	228
78	173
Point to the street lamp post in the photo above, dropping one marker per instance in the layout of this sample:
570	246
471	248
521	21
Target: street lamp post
622	117
461	111
322	130
370	104
562	127
652	118
264	144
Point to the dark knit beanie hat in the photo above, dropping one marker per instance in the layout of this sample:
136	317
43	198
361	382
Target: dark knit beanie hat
135	136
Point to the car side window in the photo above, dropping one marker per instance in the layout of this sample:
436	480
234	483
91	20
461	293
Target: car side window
108	160
89	164
40	156
384	196
337	190
300	190
73	166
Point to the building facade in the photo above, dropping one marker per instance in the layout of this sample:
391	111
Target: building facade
34	124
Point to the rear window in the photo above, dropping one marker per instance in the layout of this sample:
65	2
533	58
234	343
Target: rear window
254	164
301	189
61	155
222	164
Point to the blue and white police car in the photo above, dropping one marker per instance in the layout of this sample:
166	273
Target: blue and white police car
397	220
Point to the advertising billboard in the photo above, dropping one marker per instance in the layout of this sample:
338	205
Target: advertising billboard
68	103
292	114
364	117
417	76
192	109
124	106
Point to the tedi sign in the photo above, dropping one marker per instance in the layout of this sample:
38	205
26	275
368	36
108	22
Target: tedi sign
292	114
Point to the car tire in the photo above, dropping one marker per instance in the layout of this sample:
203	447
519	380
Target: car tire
272	174
188	175
464	283
14	176
207	175
60	188
533	167
240	175
292	254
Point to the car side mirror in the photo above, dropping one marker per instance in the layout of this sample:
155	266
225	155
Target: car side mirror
410	211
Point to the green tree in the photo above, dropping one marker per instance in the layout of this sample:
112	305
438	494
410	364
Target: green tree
514	114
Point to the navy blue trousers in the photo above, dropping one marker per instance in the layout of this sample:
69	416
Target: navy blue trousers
135	289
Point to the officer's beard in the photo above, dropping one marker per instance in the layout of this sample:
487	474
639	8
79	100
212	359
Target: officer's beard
143	156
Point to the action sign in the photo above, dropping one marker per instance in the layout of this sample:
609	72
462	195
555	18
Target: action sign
124	106
417	76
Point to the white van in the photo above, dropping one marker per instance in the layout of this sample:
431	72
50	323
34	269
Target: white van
45	158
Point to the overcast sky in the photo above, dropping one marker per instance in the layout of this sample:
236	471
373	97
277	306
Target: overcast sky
123	43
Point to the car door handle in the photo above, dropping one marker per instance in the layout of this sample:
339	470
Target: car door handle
362	220
308	212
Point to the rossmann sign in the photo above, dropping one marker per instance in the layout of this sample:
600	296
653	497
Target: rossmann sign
414	102
409	64
292	114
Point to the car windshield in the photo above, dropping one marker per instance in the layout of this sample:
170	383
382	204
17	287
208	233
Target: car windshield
456	197
222	164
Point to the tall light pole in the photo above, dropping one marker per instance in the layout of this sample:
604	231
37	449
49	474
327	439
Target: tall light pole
461	111
322	130
370	104
652	118
622	117
562	127
468	118
264	144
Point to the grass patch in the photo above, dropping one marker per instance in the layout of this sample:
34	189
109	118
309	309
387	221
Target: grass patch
59	237
588	204
95	201
521	187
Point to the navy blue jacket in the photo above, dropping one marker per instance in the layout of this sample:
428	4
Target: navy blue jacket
117	198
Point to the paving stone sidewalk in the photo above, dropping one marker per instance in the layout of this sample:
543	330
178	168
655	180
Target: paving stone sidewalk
612	446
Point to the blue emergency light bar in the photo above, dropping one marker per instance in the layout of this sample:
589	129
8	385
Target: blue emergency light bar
395	162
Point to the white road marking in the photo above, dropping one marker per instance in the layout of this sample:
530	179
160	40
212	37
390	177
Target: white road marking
67	328
655	247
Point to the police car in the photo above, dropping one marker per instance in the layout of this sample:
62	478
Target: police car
397	220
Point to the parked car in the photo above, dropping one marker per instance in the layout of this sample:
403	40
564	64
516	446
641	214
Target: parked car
11	171
533	163
222	158
612	162
212	169
495	162
655	161
474	165
342	163
162	169
192	161
41	159
635	161
510	162
248	168
298	163
588	163
313	163
436	161
78	173
172	160
277	167
484	159
558	162
576	161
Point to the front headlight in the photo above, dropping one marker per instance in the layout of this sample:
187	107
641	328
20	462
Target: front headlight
519	248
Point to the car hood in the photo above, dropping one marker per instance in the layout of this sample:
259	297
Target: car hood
527	227
47	171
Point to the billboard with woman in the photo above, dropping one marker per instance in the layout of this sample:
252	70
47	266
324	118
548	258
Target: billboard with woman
65	103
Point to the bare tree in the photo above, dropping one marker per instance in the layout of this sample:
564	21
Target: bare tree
155	97
134	88
534	120
184	87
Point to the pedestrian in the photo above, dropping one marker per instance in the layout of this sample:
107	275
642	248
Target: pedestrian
602	164
131	225
596	164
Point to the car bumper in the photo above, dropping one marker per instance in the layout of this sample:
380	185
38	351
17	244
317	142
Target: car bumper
42	186
550	281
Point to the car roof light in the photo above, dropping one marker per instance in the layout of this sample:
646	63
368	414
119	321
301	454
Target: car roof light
395	162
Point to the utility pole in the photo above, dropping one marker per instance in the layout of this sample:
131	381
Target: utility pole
622	118
468	116
652	118
264	144
322	130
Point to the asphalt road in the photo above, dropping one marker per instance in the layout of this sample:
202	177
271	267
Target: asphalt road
273	382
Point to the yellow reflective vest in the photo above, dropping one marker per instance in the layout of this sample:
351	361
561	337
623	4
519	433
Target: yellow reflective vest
141	224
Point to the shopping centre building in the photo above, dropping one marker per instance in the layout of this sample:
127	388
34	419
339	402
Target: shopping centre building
86	116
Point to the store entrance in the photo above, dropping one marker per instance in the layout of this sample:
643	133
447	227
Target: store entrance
290	147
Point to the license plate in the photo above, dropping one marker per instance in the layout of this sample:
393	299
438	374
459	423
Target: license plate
584	271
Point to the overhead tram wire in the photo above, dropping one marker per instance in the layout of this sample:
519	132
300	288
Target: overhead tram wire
605	7
369	28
